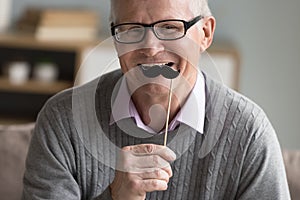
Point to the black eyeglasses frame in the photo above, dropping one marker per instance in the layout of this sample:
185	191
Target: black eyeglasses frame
187	26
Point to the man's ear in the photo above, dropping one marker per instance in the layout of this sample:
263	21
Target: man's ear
208	28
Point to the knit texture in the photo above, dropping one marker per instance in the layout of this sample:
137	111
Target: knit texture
74	148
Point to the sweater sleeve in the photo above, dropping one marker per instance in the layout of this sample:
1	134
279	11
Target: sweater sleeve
47	174
263	174
106	195
51	170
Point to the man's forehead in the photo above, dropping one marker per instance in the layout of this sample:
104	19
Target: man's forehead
153	3
123	10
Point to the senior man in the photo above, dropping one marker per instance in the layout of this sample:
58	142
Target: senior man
103	140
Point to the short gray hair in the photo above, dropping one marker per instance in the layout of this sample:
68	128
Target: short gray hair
198	7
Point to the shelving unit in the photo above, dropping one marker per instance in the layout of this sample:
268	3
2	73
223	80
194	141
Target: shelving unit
26	99
33	86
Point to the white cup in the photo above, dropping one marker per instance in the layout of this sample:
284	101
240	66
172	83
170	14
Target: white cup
18	72
45	72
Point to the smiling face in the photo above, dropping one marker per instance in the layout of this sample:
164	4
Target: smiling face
184	53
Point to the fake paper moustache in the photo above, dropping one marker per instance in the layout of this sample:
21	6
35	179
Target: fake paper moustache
156	70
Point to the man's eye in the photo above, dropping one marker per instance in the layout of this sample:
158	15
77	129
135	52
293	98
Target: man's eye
168	29
134	29
124	29
170	26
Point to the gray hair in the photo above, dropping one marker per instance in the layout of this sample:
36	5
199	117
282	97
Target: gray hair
198	7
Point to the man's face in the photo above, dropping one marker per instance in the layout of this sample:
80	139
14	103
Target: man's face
184	52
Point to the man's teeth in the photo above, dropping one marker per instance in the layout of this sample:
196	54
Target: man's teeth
152	64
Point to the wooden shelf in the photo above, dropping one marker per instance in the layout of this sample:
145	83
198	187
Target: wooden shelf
34	86
24	101
21	40
15	120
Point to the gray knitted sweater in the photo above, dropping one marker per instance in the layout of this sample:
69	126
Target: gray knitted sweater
73	149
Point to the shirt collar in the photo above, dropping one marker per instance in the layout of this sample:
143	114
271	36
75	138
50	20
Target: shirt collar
192	112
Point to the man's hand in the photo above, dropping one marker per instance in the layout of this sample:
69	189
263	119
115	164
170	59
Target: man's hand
140	169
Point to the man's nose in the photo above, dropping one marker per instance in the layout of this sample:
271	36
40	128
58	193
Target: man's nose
151	45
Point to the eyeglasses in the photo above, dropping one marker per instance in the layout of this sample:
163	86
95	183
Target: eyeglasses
172	29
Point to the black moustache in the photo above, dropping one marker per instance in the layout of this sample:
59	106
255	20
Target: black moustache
156	70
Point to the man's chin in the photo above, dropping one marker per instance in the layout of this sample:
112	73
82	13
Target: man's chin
154	90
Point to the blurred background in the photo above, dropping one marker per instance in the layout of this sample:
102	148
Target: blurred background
261	38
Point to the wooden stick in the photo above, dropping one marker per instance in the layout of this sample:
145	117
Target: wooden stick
168	113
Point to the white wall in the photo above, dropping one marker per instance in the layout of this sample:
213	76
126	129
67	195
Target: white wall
267	33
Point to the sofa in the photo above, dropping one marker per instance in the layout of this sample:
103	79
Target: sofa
15	139
14	142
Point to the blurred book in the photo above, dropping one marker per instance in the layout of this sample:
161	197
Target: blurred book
68	17
66	33
5	12
67	25
29	20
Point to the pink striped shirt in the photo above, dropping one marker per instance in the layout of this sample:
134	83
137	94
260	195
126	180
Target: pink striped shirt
192	112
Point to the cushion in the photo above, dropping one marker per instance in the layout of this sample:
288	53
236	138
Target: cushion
292	166
14	143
